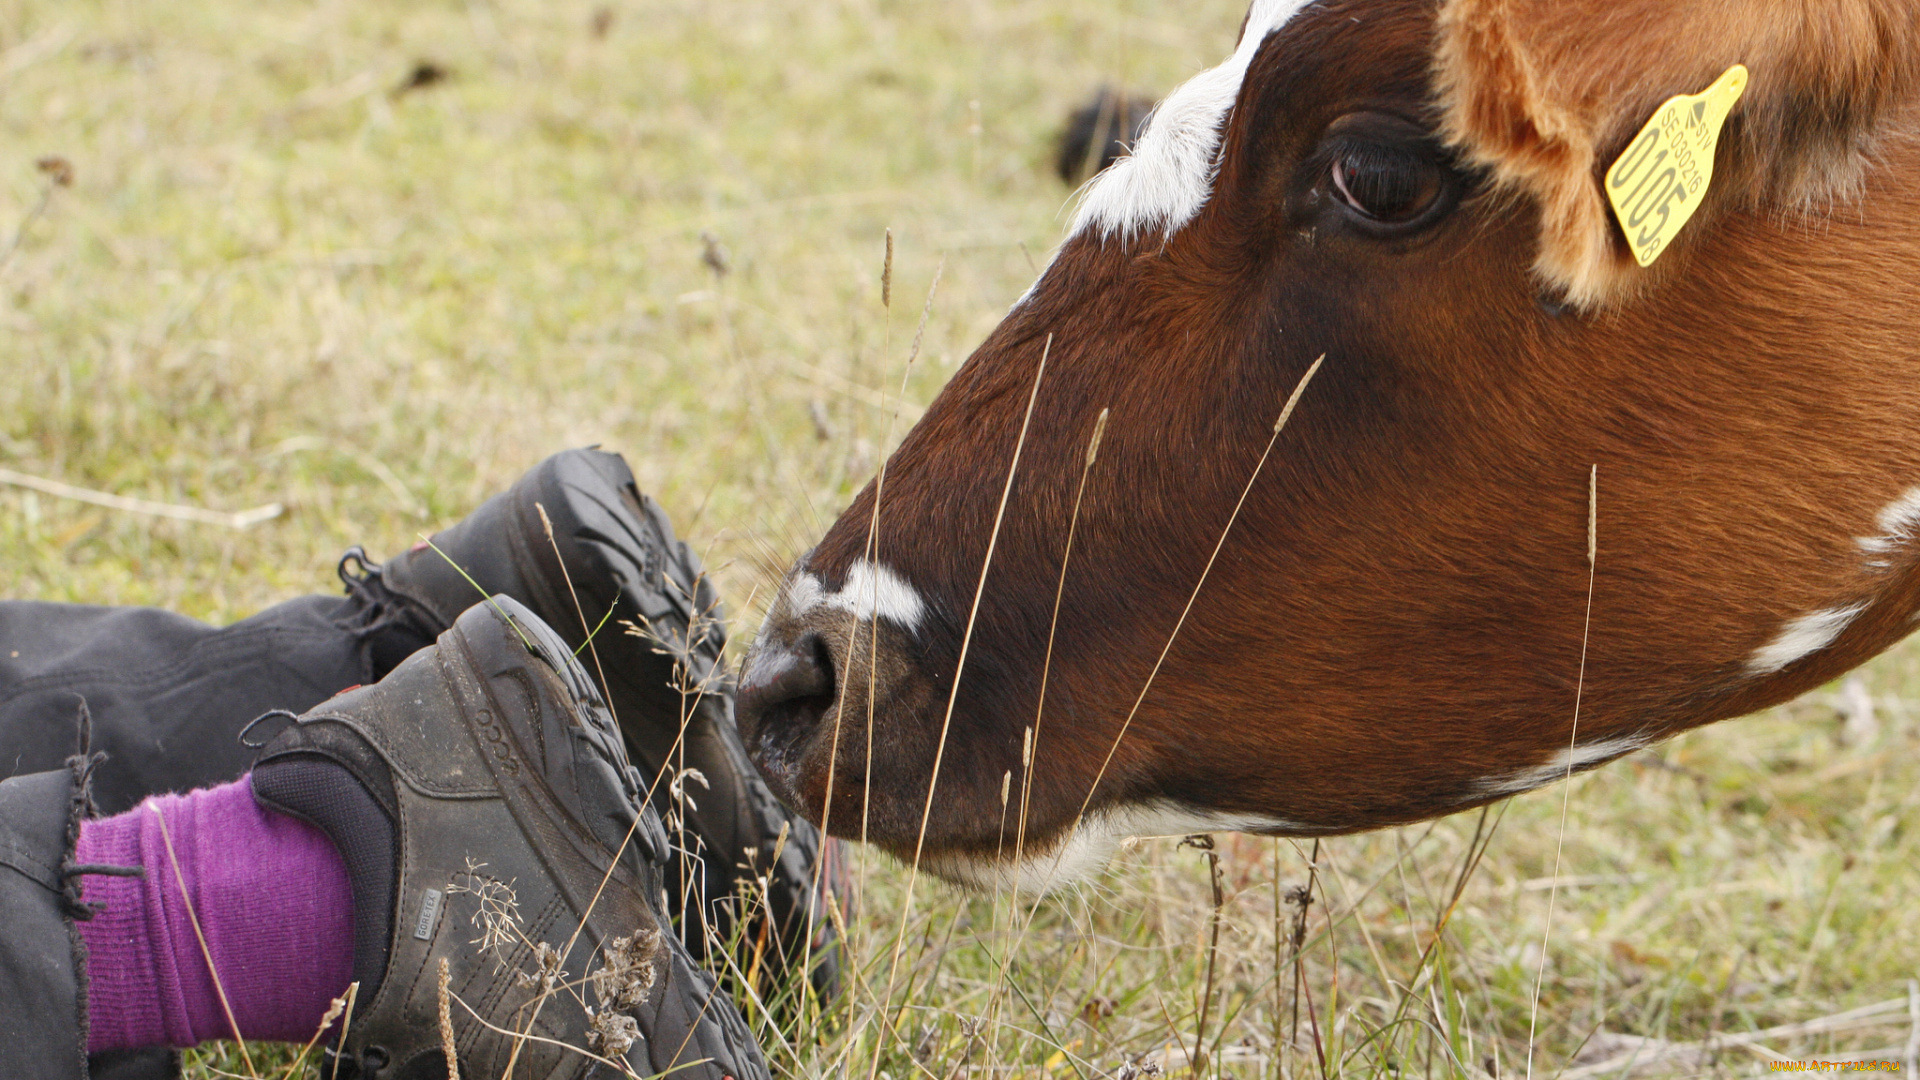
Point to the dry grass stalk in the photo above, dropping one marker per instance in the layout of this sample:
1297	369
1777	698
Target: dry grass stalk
334	1009
691	692
1030	737
1278	964
1205	845
872	549
766	909
871	552
626	973
447	1045
242	519
193	917
1280	425
485	596
860	392
496	912
590	631
886	275
1302	900
58	172
346	1024
1573	743
1912	1055
521	1037
960	667
730	965
610	1028
1633	1055
553	976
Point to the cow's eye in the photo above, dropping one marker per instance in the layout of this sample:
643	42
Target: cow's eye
1388	184
1387	173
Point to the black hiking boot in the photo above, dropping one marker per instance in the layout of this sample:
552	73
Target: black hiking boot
506	869
657	635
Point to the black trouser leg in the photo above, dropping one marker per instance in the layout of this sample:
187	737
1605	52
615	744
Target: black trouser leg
43	1005
168	694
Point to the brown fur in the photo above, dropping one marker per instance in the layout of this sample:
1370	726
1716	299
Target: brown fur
1546	94
1394	626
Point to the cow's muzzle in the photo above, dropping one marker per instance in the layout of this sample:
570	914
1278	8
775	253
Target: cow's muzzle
786	690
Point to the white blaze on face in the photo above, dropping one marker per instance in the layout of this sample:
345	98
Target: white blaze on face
1170	174
871	590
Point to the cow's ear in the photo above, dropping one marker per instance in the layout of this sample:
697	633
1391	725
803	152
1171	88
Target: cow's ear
1545	95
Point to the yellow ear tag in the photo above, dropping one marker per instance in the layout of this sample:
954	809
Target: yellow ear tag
1662	178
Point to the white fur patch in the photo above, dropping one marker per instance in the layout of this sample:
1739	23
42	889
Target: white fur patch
1169	176
1569	759
870	590
1898	522
802	594
1094	843
1803	637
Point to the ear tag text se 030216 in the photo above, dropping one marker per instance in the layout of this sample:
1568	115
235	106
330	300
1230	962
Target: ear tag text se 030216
1661	180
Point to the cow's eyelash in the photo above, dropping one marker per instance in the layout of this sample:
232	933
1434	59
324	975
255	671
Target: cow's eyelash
1387	175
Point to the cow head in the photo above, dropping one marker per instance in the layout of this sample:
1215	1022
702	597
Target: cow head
1395	623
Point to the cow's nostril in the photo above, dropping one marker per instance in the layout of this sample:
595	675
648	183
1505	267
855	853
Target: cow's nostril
783	695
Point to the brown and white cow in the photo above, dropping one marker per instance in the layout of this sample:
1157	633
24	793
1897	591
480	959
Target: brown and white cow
1393	628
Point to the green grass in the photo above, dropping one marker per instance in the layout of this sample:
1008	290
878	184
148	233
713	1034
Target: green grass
277	279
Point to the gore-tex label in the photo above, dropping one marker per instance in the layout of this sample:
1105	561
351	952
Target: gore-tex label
429	915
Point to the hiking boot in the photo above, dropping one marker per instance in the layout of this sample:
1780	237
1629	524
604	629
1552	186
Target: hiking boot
611	566
499	845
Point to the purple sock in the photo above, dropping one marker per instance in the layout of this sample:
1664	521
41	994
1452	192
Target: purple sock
273	901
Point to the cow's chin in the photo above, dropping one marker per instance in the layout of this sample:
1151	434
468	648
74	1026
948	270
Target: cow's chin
777	756
1078	854
794	760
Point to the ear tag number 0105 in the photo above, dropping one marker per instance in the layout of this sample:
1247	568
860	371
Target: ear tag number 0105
1660	181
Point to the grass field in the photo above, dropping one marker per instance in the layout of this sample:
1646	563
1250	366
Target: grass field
283	273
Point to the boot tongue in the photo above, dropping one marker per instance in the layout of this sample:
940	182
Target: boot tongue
323	792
